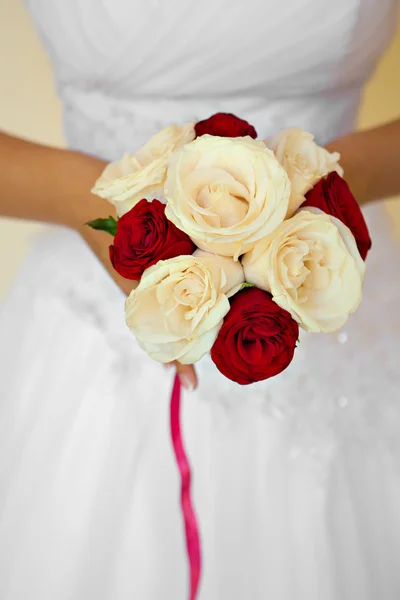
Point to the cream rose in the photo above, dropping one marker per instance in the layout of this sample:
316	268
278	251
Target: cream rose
312	268
142	175
305	162
233	270
226	193
178	308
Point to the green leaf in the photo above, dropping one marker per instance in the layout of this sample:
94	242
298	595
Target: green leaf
246	285
108	225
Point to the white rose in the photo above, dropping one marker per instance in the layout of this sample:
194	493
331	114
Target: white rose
178	308
142	175
233	271
312	268
226	193
305	162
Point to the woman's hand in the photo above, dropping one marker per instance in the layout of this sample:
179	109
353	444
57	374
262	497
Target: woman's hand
100	241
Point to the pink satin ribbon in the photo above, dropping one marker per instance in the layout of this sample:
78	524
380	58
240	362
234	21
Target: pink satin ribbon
189	516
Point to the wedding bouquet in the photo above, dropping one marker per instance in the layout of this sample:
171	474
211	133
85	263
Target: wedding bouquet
233	243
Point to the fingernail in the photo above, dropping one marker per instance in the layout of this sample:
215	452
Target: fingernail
186	382
167	365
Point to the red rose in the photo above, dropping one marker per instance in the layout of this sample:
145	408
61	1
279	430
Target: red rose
225	125
333	196
257	339
144	237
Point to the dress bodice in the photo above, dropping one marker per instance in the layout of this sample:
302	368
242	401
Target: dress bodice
127	68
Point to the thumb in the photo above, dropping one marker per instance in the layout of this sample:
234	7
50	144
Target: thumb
187	375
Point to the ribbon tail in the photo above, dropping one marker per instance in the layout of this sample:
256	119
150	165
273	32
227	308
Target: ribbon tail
188	513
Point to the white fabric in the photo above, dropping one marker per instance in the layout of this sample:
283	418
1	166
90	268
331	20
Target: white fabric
297	480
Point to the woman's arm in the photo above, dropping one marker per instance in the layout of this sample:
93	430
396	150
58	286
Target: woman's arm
53	185
371	161
46	184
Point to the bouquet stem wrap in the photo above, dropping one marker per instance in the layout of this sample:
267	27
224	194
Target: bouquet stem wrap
189	516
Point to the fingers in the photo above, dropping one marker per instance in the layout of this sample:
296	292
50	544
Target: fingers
187	375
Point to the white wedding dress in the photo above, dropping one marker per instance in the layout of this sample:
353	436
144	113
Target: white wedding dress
296	479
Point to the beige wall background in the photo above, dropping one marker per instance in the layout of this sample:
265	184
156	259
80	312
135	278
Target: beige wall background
29	107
